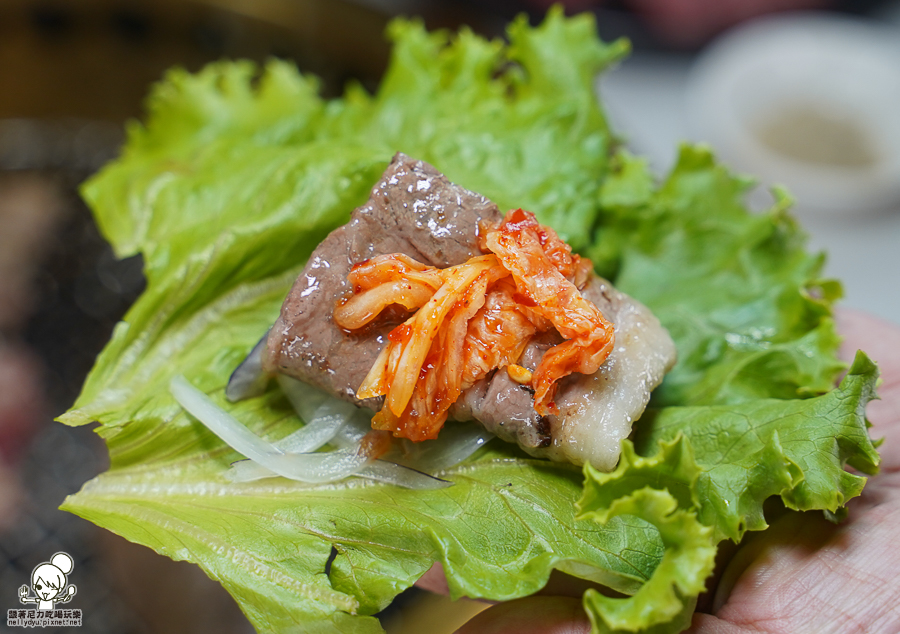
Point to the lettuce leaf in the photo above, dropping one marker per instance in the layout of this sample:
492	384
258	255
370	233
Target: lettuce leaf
713	468
239	172
739	294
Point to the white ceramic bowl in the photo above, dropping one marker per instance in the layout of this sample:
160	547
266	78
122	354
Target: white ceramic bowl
810	101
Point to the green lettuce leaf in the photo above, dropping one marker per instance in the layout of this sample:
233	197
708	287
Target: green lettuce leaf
713	468
738	292
752	450
239	172
661	490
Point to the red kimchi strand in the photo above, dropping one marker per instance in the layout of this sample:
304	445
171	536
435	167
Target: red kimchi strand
533	255
379	282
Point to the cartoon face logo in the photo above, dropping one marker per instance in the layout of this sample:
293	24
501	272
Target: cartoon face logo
49	583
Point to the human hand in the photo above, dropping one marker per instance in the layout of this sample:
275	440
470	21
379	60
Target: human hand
803	574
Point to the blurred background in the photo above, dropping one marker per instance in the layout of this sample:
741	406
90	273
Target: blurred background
804	93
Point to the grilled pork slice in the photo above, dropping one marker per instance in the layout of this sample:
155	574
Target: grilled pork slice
420	235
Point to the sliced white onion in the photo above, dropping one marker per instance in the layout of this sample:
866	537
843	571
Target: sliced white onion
304	398
399	475
311	436
307	439
326	466
248	379
309	402
326	422
321	428
356	428
310	467
380	470
456	442
320	410
248	471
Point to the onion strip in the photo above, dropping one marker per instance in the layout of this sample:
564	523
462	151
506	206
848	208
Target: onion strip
288	457
311	467
456	443
308	401
304	398
401	475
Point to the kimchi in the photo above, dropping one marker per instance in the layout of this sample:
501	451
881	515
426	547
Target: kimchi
472	319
